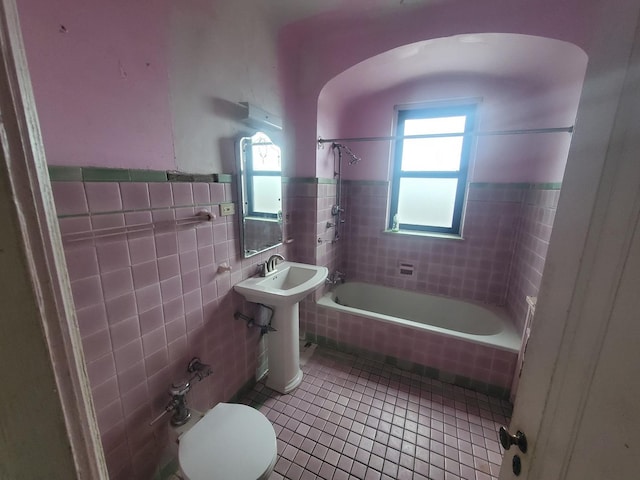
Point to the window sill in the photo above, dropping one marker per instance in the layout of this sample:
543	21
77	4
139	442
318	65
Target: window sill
413	233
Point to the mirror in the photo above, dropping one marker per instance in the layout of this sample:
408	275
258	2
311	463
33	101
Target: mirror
259	193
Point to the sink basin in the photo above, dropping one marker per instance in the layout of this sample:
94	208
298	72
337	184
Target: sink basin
290	284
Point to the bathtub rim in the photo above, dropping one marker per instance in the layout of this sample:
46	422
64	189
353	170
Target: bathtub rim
508	339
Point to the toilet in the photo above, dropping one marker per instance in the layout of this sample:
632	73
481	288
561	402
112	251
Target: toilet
230	442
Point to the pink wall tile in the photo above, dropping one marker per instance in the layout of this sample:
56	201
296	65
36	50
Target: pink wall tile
101	369
103	197
173	310
120	308
132	293
117	283
145	274
113	256
201	194
190	282
171	288
87	292
160	195
70	198
189	261
154	341
96	345
166	244
155	362
92	319
168	267
122	332
182	194
135	399
128	355
142	249
204	236
82	261
217	192
151	320
73	224
135	196
187	240
175	329
131	377
148	297
105	393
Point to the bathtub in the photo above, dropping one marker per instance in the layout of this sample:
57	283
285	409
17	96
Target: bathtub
453	339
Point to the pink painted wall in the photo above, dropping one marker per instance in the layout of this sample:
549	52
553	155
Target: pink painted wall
101	83
503	104
221	53
315	50
148	84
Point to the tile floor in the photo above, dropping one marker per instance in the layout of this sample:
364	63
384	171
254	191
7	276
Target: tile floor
353	418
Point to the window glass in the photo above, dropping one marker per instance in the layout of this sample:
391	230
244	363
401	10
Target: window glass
264	200
427	201
430	174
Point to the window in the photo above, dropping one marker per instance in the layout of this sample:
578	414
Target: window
263	178
430	174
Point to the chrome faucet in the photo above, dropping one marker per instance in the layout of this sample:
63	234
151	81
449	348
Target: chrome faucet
335	278
269	267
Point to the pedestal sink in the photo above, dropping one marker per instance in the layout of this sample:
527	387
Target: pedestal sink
283	291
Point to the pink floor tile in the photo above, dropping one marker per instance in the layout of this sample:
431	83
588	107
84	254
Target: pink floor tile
358	419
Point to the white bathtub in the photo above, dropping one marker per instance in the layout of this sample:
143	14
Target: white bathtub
441	315
455	341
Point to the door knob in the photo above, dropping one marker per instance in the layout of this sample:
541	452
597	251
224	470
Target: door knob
519	439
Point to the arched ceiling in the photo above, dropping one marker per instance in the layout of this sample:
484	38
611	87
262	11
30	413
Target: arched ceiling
542	62
284	12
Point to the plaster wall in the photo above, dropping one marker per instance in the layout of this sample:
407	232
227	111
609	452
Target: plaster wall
149	84
99	74
315	50
503	104
221	53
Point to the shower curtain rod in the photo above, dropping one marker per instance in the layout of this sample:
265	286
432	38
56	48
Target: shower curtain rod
322	141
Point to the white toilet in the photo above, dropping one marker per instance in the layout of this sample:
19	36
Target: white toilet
231	442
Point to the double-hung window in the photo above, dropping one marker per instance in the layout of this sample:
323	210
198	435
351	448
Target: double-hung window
430	173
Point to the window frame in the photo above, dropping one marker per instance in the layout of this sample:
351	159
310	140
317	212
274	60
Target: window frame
469	110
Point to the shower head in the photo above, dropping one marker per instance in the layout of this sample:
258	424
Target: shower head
354	158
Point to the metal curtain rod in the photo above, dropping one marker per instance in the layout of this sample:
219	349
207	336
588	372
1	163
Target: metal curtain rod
445	135
202	216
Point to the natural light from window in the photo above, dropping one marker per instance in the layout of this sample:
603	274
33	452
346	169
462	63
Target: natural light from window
430	173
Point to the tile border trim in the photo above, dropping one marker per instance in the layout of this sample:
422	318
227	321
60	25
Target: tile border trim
99	174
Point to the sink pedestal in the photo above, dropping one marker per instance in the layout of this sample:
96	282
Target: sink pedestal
284	349
282	291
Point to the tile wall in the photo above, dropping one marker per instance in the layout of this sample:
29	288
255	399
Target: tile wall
473	268
300	198
499	261
148	302
538	213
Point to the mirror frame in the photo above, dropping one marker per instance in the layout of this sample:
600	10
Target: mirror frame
243	188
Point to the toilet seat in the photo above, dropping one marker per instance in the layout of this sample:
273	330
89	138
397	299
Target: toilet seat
230	442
